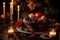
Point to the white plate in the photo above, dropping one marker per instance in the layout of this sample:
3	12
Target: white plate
19	29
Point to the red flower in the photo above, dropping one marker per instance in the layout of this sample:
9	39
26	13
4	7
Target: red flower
19	23
38	14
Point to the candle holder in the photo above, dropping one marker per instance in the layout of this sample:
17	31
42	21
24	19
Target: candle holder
3	18
11	33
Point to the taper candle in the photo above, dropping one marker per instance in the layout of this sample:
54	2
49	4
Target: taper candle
18	13
11	11
4	9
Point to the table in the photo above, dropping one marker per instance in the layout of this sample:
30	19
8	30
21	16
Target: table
40	34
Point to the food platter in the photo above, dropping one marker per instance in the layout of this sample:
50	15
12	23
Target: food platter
19	30
41	34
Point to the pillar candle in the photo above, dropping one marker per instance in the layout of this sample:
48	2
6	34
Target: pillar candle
52	33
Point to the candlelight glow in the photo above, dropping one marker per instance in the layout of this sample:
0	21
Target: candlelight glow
52	33
12	0
3	3
30	15
11	30
11	4
18	7
2	16
11	10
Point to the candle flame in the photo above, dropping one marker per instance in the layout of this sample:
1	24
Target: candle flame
11	30
18	6
3	3
52	33
12	0
11	3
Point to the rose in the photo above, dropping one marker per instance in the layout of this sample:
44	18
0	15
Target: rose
19	23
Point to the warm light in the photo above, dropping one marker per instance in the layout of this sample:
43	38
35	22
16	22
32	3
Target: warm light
43	18
18	7
3	3
11	10
11	4
10	30
52	33
30	15
4	9
12	0
2	16
18	13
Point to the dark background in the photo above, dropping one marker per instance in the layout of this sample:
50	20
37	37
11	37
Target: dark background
54	3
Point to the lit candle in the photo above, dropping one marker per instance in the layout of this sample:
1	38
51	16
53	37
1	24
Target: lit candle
52	33
11	11
18	13
10	30
12	7
12	0
4	9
